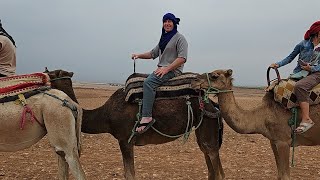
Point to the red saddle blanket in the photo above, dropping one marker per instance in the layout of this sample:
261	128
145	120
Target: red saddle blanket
13	85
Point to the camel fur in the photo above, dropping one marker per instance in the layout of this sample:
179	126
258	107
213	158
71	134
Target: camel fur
55	120
269	119
118	117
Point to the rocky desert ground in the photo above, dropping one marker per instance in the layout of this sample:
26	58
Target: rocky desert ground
243	156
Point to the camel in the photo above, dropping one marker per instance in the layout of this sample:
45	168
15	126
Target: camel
269	119
118	117
59	122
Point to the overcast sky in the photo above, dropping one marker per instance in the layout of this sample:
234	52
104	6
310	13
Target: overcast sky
95	38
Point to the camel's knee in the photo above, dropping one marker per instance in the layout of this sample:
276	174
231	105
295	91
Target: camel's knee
61	153
209	147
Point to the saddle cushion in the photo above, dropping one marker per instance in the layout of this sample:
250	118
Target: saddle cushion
283	93
13	85
177	87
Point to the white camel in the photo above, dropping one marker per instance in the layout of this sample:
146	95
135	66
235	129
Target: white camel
52	118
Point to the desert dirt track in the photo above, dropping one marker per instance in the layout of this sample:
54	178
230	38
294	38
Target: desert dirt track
243	156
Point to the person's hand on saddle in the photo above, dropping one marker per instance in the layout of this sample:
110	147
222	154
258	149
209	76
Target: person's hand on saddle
161	71
306	67
302	63
274	65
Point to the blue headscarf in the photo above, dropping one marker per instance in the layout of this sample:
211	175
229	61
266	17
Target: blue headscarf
166	36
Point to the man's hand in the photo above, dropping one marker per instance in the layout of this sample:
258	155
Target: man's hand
135	56
306	67
161	71
274	65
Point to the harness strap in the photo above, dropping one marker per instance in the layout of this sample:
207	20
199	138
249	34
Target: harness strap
138	116
211	114
65	103
205	112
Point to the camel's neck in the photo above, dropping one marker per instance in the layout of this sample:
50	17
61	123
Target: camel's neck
242	121
95	121
71	94
66	87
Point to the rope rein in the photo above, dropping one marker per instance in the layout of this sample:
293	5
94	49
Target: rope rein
188	130
212	90
293	124
189	127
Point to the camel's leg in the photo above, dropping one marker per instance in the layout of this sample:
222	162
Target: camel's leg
281	151
68	155
62	136
128	159
63	169
72	159
207	139
213	166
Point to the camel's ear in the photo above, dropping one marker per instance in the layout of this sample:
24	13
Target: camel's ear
228	72
70	74
60	73
63	73
46	70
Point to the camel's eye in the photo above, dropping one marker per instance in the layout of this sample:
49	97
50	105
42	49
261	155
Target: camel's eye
213	76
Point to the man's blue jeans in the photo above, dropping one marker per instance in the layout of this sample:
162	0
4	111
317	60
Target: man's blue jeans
149	91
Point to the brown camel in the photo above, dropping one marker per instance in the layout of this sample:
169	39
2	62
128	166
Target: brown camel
118	117
53	119
269	119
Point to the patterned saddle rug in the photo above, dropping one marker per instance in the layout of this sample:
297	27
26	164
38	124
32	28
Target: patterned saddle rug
19	84
283	93
177	87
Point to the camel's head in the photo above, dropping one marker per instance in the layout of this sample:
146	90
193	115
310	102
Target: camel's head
220	79
61	80
55	74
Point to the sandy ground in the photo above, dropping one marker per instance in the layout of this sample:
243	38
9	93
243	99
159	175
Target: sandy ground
243	156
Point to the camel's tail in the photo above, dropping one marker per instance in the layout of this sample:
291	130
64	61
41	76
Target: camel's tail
78	128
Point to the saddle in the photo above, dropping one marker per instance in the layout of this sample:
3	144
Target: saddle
283	93
27	84
177	87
